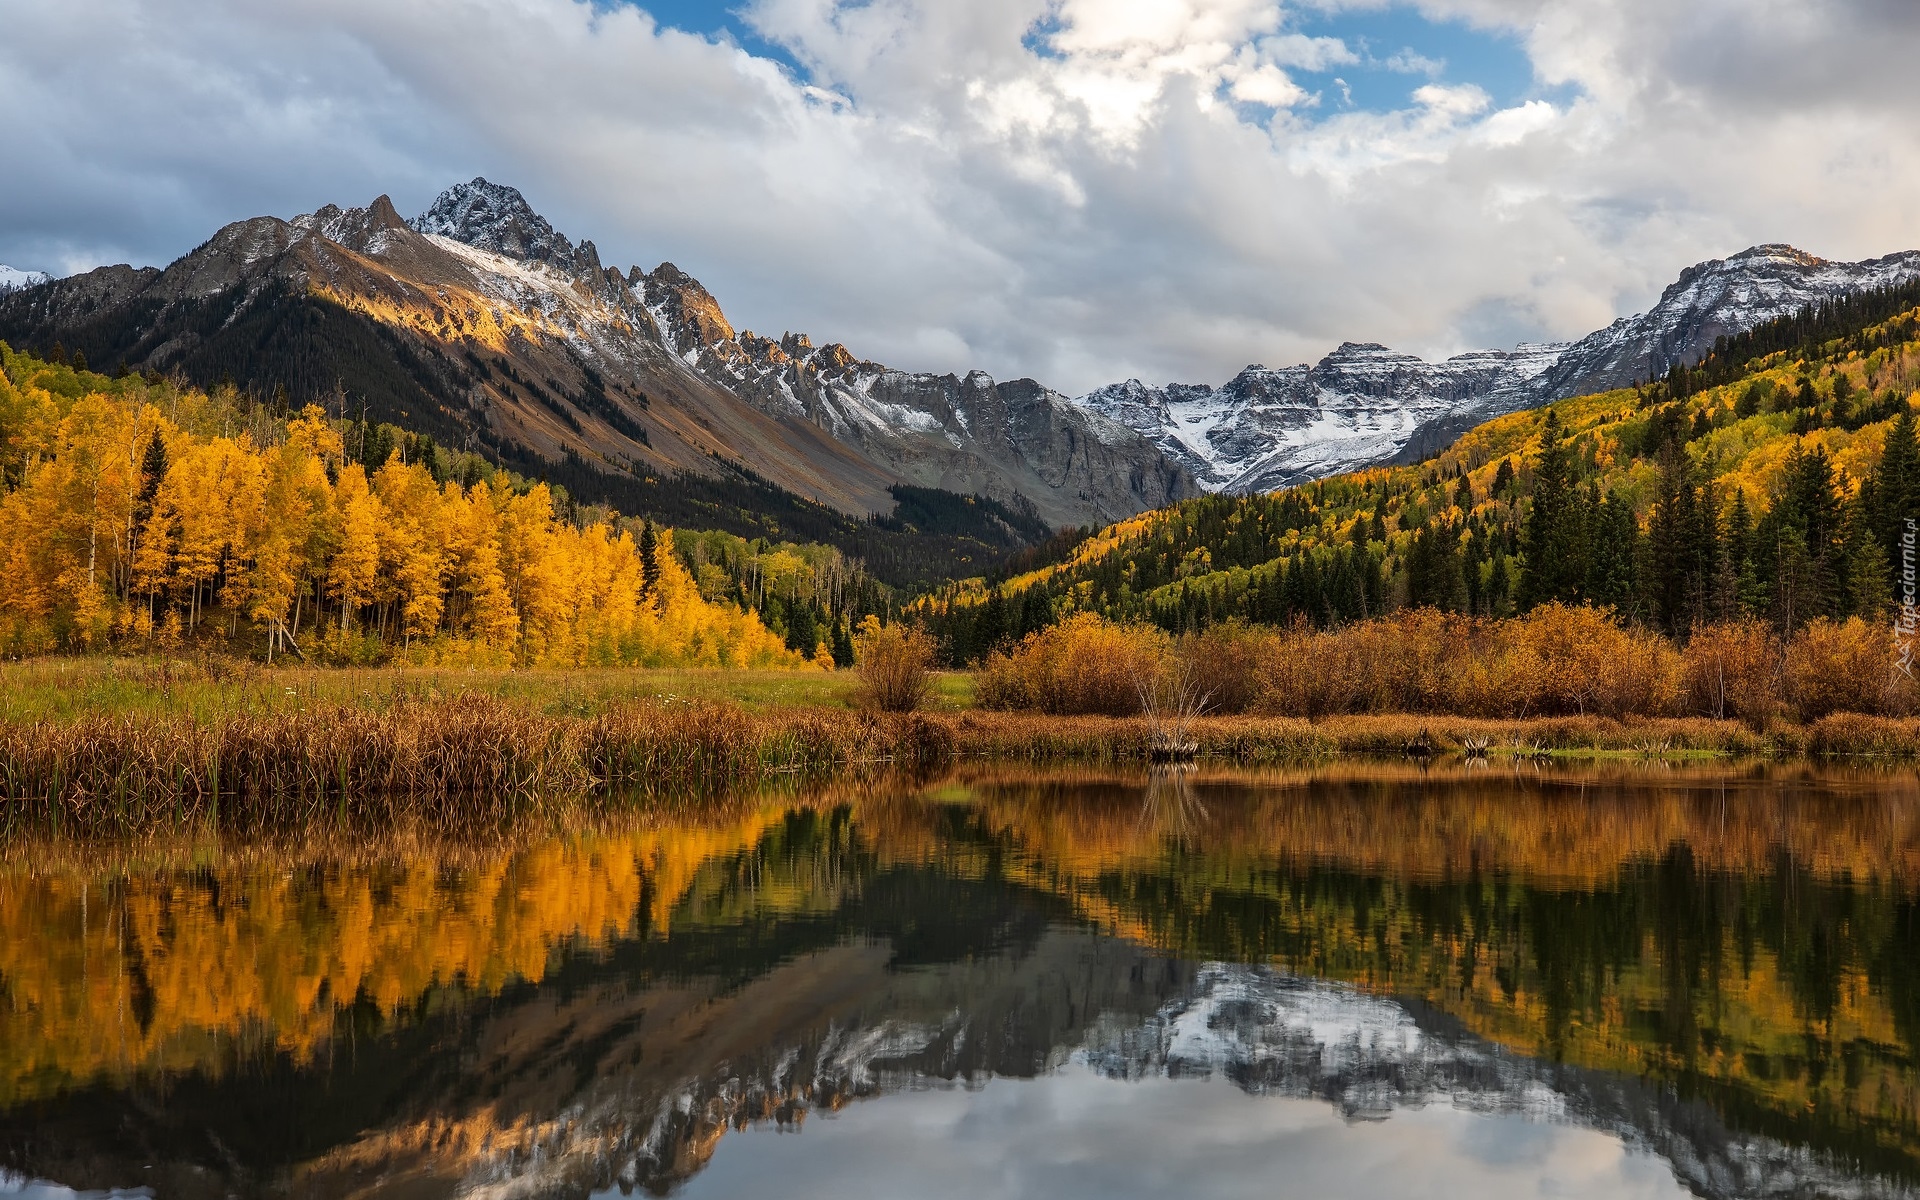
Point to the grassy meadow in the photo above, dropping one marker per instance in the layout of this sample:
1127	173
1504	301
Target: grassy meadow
113	747
68	689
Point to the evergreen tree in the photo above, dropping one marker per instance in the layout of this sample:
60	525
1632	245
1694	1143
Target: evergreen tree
1868	582
1800	543
842	645
1891	494
649	562
1613	548
153	471
1553	568
1434	575
803	628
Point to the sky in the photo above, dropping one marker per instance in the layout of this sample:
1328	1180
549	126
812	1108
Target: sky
1081	191
1075	1135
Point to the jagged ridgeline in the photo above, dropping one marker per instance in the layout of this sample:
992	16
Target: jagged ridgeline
1773	479
136	513
481	326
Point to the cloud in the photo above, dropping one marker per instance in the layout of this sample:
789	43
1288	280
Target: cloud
1080	190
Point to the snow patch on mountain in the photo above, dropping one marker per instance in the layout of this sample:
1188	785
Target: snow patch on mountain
13	279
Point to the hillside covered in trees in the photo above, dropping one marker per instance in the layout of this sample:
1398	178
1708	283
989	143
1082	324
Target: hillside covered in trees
139	514
1771	481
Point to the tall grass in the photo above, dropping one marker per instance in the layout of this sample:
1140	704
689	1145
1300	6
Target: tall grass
459	760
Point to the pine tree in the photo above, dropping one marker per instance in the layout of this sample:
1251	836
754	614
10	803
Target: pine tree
842	645
1799	544
153	471
1613	548
649	562
1892	491
1553	567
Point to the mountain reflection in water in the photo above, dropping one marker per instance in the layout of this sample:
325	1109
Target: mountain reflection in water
1701	979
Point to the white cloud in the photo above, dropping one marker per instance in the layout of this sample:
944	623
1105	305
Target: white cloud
1045	187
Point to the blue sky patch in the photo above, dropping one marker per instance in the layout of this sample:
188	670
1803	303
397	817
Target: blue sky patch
1399	50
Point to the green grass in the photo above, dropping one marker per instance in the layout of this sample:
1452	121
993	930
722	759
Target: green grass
61	689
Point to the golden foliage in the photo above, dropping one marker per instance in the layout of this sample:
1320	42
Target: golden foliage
1845	667
1557	660
273	530
895	665
1085	664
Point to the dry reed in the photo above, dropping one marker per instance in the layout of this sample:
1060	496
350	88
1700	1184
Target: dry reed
473	760
465	760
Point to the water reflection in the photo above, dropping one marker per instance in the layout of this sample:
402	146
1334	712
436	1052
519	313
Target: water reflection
1715	967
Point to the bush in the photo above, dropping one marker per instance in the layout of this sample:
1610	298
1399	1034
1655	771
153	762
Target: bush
1734	671
1576	661
1229	664
1085	664
1845	667
895	666
1556	661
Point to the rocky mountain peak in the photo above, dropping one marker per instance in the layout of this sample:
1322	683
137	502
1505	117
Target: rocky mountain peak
689	317
497	218
1780	252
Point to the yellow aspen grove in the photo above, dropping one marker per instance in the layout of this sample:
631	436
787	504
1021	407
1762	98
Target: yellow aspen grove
355	572
133	515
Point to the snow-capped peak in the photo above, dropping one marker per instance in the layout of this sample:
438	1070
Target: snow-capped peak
12	278
497	218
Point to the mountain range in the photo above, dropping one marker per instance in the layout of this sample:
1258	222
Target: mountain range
478	323
1365	405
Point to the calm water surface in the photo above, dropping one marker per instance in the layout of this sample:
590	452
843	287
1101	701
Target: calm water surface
1363	980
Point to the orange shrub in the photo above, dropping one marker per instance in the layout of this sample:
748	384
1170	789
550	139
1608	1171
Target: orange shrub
1085	664
1569	660
895	666
1230	663
1845	667
1557	660
1735	671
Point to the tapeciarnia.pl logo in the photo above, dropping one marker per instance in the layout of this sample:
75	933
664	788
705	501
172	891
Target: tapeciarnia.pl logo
1909	620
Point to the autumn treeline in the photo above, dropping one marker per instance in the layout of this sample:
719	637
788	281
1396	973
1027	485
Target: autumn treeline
138	515
1558	660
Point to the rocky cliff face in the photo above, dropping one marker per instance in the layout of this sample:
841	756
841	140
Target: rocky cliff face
1364	404
478	322
964	434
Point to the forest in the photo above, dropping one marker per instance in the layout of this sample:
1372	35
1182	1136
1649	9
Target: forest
1771	482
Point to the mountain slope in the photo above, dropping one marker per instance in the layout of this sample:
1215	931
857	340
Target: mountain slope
481	325
1771	480
1364	404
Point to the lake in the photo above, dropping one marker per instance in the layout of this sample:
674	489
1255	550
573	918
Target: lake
1602	980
